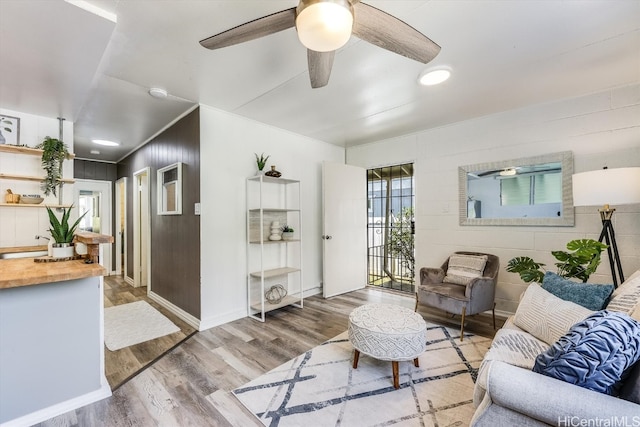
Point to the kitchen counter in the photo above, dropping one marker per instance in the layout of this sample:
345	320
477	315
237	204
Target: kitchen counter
25	272
23	249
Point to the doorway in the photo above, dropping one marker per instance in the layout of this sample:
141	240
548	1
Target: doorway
121	227
391	227
141	229
93	199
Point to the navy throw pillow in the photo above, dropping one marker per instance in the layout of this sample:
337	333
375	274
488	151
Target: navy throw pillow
589	295
597	353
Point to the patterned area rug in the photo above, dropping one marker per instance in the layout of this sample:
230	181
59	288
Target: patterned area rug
320	387
133	323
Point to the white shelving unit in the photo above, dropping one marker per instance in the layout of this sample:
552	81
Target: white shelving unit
273	262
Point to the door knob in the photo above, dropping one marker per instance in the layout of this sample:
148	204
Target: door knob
326	237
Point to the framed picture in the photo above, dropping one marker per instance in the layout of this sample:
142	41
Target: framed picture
9	130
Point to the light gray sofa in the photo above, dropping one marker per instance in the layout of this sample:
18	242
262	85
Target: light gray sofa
509	393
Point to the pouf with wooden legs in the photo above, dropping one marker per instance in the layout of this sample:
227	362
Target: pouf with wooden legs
387	332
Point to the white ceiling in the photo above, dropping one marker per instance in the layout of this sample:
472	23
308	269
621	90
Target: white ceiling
58	60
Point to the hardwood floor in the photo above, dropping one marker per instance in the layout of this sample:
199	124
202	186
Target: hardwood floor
121	364
191	384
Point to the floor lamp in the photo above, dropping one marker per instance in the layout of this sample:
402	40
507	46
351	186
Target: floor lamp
607	187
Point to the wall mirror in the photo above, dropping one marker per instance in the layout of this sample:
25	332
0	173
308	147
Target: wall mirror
527	191
170	190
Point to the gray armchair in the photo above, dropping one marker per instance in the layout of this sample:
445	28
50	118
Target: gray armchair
474	297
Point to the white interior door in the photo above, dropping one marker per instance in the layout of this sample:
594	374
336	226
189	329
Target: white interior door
344	195
141	229
121	226
94	197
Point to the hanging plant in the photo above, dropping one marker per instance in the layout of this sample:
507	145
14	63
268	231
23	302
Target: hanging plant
54	152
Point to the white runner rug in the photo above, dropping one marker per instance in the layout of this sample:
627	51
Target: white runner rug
133	323
320	387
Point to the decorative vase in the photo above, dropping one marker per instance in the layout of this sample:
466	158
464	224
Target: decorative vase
275	231
273	172
62	250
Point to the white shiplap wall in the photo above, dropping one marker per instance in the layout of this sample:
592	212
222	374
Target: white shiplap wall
601	129
19	226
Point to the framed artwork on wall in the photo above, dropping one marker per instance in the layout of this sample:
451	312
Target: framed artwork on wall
9	130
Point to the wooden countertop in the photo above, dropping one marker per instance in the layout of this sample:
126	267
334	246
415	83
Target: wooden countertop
23	249
19	272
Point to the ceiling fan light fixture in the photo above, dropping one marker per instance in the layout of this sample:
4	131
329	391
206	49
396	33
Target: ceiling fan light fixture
324	25
434	76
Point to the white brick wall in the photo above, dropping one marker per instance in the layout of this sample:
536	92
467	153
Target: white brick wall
601	129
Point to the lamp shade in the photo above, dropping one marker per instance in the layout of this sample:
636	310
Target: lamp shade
324	26
601	187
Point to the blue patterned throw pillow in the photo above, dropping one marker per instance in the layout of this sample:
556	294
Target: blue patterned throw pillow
597	353
589	295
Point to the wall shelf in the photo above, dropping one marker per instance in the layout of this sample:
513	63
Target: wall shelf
31	205
6	148
31	178
288	300
271	242
274	272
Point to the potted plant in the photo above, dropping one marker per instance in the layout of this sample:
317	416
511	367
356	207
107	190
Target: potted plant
580	263
54	152
287	232
61	232
261	161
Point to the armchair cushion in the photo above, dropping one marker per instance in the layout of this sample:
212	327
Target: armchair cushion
464	268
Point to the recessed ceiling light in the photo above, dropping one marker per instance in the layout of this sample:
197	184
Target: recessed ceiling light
434	76
94	152
105	142
156	92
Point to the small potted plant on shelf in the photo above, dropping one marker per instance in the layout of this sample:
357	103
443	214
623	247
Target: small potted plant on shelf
261	160
287	232
62	234
54	152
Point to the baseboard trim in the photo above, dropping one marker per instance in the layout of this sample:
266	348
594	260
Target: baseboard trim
60	408
191	320
129	280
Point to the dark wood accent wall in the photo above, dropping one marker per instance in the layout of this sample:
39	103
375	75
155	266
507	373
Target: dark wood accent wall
101	171
88	169
175	239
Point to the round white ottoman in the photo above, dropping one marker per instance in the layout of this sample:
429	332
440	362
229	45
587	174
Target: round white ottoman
387	332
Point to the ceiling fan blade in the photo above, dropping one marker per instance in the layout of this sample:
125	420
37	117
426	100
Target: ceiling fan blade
320	64
252	30
487	173
388	32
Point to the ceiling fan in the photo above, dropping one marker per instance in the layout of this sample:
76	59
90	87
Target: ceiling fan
324	26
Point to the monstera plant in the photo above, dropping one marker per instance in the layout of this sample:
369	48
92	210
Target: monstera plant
581	262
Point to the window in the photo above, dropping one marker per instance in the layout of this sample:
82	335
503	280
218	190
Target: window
531	190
